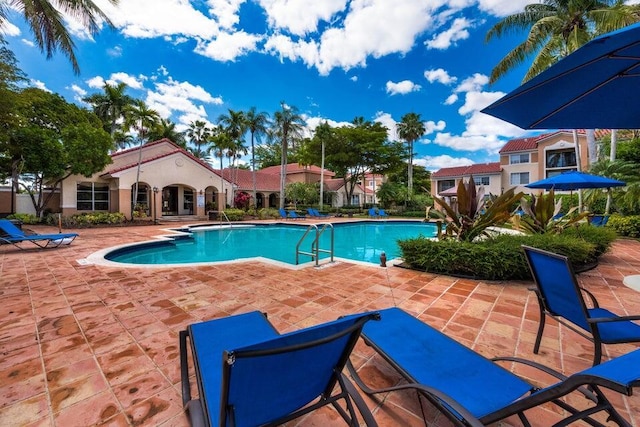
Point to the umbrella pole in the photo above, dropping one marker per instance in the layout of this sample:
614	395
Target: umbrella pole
576	141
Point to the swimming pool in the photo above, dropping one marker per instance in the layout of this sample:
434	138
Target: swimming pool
357	241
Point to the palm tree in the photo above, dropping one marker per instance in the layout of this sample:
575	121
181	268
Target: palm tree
140	118
199	134
167	129
47	23
289	125
257	124
110	106
411	128
557	28
221	142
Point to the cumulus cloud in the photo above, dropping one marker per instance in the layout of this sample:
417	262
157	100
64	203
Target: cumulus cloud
130	81
445	39
439	75
431	126
434	163
8	29
180	97
502	7
451	99
402	88
228	46
300	17
39	84
473	83
226	12
115	51
388	121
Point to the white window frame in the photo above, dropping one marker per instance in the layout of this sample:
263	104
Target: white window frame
513	175
482	180
517	159
92	200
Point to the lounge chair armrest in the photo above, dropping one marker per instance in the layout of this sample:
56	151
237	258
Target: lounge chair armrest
536	365
592	297
613	319
461	413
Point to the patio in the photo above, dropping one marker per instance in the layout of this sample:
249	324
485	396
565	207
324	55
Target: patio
92	345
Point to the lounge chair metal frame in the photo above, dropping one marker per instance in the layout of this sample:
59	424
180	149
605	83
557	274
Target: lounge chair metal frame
15	236
440	354
596	324
199	409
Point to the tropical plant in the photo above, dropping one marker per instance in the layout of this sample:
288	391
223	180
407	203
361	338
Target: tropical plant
221	142
111	106
140	117
199	134
541	215
411	128
257	124
167	129
289	125
47	22
474	214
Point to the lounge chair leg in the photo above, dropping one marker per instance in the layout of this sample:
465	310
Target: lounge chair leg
597	357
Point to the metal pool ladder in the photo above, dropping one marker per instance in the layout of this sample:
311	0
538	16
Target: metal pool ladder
315	245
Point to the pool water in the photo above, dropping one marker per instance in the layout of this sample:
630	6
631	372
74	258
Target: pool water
361	241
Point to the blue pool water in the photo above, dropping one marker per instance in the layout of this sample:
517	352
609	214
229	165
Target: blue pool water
360	241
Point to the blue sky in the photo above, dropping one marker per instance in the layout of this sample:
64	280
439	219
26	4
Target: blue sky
332	59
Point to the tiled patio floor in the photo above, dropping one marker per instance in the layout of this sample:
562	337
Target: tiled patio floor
88	345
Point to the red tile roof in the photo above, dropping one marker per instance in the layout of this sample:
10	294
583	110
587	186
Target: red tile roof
297	168
475	169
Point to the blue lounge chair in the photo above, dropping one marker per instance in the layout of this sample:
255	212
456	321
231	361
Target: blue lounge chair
560	297
15	236
317	214
472	390
373	213
294	215
311	213
599	220
248	374
382	213
283	213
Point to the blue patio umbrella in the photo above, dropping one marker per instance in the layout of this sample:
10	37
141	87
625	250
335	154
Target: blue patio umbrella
574	180
597	86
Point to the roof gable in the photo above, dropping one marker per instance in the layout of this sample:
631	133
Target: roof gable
475	169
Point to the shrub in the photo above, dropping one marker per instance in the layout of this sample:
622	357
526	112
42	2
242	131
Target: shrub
600	237
86	219
24	218
234	214
501	258
268	213
625	225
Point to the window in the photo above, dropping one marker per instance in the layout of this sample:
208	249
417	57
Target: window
355	199
516	159
92	196
446	184
481	180
561	159
519	178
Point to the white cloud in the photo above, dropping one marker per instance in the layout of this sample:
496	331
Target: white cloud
39	84
451	99
439	75
130	81
355	78
181	97
226	12
115	51
445	39
313	122
404	87
503	7
8	29
431	126
300	17
96	82
473	83
228	46
78	90
434	163
387	120
28	42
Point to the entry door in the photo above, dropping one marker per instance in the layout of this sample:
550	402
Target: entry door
170	201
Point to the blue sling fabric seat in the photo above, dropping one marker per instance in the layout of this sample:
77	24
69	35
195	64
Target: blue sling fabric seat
248	374
15	236
561	297
472	390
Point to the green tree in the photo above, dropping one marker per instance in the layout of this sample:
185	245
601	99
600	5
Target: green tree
47	23
199	134
221	142
352	151
141	118
410	129
288	124
111	107
301	192
167	129
257	125
54	140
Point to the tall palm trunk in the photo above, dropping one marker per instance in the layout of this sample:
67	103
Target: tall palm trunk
253	173
283	171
